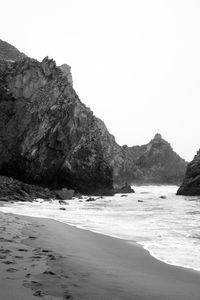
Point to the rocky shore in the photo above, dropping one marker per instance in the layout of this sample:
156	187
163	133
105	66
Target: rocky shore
191	182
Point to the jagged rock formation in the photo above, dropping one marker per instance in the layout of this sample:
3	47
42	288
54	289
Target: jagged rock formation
155	162
9	52
14	190
191	182
66	69
47	136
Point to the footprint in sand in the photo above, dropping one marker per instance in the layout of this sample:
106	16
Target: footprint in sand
49	273
38	294
16	237
36	257
51	257
8	262
18	256
46	251
66	276
67	297
4	251
23	250
5	240
36	283
11	270
33	284
32	237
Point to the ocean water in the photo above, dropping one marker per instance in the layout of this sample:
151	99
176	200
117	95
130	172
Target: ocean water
168	227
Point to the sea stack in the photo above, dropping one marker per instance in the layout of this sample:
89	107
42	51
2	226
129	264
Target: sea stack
191	182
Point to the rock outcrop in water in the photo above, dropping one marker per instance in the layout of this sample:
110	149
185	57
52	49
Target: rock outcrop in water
48	137
191	182
153	163
157	163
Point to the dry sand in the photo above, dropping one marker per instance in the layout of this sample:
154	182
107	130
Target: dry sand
47	259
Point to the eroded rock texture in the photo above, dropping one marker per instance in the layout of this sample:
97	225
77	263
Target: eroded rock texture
47	135
9	52
157	162
153	163
191	182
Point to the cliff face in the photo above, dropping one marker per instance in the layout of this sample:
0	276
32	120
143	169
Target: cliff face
158	163
47	136
9	52
191	182
155	162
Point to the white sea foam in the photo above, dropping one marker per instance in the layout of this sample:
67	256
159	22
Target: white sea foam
168	228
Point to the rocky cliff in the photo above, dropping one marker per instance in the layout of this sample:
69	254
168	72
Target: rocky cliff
157	162
9	52
47	135
153	163
191	182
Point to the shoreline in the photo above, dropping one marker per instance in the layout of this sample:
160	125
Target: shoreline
81	264
133	242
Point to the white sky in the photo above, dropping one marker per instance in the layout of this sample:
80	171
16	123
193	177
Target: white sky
135	63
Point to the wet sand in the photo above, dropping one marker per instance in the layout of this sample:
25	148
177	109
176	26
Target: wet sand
47	259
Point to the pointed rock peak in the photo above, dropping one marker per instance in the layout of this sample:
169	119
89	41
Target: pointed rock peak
158	140
157	137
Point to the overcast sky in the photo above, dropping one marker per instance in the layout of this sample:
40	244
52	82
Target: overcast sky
135	63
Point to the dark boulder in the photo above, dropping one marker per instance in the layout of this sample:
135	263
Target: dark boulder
90	199
124	190
191	182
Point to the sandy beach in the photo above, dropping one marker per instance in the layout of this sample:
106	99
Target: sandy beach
47	259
